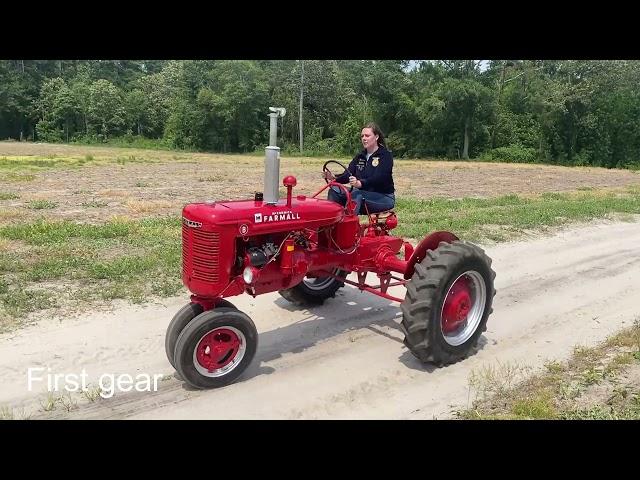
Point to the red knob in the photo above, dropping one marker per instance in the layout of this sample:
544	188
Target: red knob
289	181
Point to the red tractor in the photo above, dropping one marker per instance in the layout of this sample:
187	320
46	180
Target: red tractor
305	248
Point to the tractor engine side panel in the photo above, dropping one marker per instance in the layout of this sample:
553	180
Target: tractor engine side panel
344	234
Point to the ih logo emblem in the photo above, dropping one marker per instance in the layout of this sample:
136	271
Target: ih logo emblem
275	216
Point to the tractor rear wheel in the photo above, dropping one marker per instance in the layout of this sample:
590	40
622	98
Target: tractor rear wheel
448	302
181	319
215	348
314	291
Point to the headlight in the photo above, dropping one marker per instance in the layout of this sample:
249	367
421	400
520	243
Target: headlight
247	275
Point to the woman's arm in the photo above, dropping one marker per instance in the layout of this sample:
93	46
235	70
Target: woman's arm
344	178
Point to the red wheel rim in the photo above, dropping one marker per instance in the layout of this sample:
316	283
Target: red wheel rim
456	306
217	349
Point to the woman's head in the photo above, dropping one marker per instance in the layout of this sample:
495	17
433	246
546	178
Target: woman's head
372	137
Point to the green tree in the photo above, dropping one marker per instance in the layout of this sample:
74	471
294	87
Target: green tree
105	113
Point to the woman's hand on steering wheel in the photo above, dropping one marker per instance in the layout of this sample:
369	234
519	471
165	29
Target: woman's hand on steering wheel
354	182
329	176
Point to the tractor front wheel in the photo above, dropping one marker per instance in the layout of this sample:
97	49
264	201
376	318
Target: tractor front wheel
314	291
448	302
215	348
180	320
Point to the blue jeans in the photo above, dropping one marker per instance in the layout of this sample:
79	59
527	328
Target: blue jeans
375	202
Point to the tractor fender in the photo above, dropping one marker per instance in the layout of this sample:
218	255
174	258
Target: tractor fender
430	242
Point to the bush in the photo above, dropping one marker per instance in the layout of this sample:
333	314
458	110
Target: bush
512	153
48	131
582	159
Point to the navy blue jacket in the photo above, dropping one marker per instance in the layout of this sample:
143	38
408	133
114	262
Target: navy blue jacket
376	174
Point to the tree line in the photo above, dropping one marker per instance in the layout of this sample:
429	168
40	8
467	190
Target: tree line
571	112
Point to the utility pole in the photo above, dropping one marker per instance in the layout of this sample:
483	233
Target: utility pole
300	108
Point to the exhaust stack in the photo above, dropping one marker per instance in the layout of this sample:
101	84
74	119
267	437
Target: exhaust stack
272	159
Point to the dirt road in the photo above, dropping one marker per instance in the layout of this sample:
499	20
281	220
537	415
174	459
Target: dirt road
345	359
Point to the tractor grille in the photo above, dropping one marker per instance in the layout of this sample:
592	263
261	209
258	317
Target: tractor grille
200	254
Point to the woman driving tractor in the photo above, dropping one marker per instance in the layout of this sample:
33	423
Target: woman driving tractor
370	175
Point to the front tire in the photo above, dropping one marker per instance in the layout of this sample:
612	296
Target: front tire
448	302
180	320
215	348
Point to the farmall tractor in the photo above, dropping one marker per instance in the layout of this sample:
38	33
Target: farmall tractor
305	248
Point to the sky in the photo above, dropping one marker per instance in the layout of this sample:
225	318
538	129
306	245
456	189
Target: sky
484	64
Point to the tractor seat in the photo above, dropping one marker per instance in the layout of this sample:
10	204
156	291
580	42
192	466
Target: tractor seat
385	220
372	211
381	216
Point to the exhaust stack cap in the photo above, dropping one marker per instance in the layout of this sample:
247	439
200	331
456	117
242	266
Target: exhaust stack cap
279	110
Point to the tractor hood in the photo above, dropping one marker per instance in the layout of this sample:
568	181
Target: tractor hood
254	217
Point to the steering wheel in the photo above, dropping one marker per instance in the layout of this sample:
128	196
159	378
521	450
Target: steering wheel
325	169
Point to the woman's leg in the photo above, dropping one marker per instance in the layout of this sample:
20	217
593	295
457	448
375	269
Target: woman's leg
341	198
337	197
356	197
377	202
